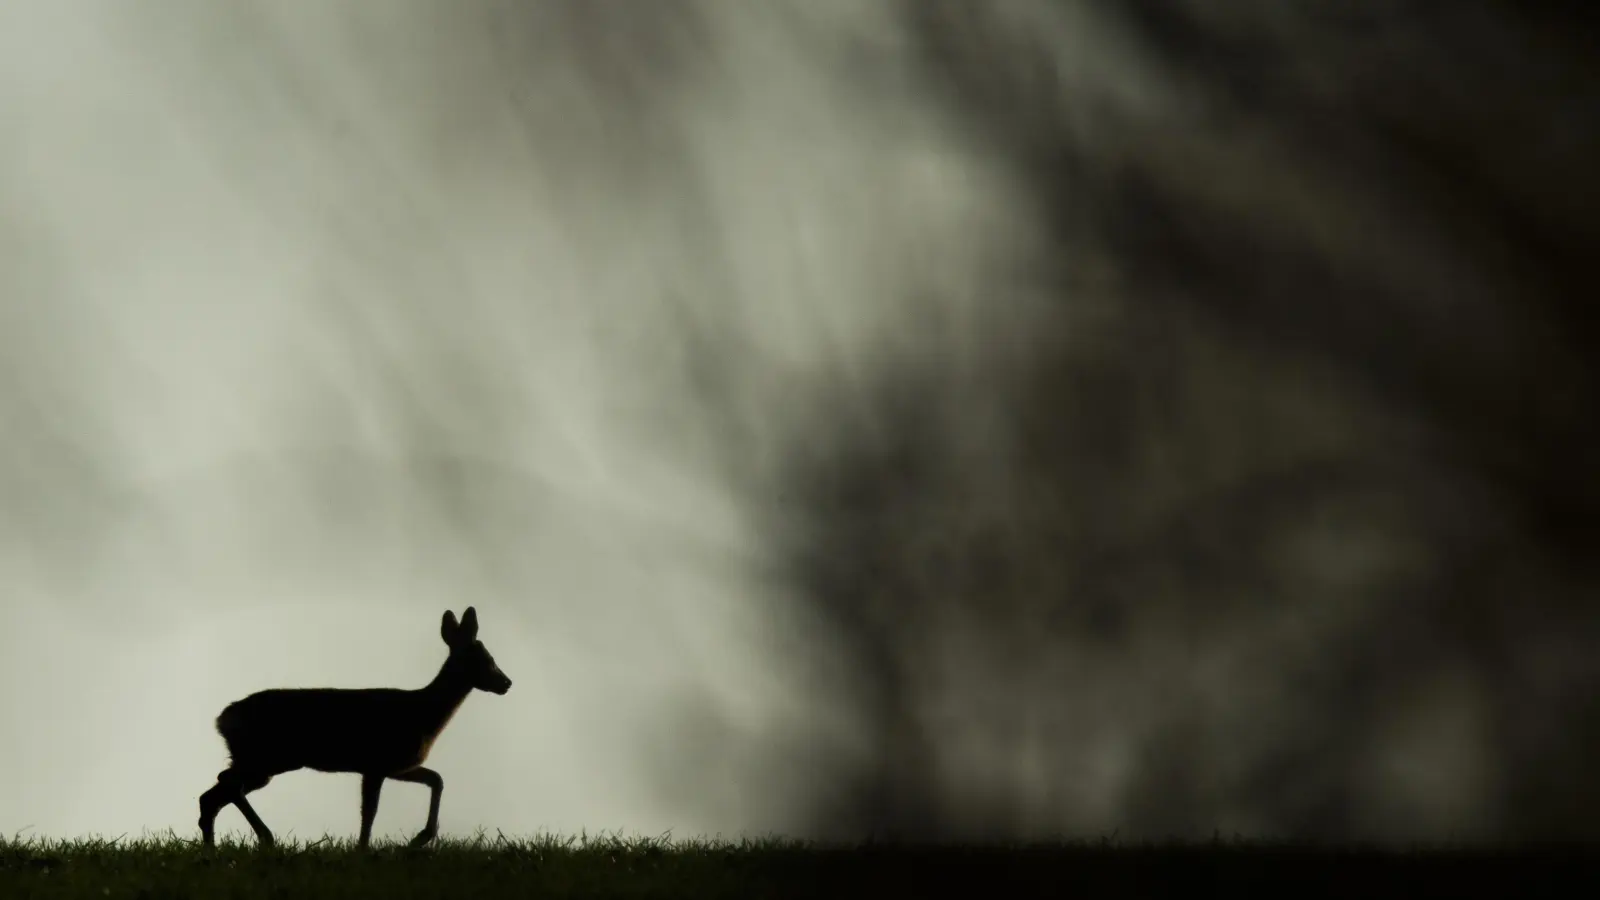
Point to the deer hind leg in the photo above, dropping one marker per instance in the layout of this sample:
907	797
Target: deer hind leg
232	784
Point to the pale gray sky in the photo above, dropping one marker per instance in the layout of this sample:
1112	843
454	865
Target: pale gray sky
323	318
993	419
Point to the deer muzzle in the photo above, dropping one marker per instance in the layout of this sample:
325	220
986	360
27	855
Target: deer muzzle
499	683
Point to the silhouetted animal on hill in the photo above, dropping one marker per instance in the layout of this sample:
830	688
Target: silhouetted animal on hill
377	733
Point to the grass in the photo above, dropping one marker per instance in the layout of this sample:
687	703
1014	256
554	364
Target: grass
492	867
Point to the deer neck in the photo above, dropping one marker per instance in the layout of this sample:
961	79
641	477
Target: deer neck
443	696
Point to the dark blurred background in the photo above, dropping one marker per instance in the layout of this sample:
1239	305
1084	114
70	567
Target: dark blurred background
1298	535
930	418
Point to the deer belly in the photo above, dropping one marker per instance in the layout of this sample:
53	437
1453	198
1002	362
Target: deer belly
369	753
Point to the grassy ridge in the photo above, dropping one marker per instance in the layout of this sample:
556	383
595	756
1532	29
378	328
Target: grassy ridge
614	866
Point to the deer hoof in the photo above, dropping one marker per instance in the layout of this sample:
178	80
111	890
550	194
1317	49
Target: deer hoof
425	837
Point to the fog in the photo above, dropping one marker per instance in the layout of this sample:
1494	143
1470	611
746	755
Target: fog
845	417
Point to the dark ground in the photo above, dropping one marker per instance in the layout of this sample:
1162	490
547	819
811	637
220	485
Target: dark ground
613	867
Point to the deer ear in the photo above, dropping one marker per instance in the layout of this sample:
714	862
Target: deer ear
469	624
449	628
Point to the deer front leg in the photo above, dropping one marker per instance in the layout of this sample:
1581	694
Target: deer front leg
371	786
423	775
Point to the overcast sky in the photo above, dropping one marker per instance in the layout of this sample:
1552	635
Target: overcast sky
323	318
319	319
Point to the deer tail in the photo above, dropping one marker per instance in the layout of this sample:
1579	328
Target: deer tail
235	726
230	721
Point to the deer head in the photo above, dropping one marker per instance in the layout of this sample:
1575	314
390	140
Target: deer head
469	659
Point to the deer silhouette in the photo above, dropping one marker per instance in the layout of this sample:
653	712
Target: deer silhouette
377	733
